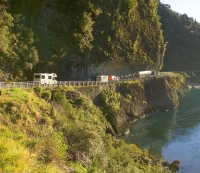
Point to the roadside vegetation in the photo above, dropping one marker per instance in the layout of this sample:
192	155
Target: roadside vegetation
60	130
179	79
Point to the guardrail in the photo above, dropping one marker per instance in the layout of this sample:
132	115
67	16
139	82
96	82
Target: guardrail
31	84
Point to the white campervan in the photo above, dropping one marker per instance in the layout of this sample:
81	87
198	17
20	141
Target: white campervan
102	78
45	78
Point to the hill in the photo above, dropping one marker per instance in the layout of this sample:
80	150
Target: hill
182	35
67	37
60	130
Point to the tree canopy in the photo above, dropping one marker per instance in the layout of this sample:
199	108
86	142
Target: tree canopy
60	36
182	34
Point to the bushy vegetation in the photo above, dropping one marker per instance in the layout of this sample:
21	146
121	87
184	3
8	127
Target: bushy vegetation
62	135
122	86
18	54
133	90
110	105
132	35
178	80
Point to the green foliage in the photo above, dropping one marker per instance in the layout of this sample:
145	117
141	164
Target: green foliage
58	137
110	105
38	91
6	23
109	99
128	96
13	157
30	143
83	102
53	148
75	32
123	86
58	96
79	168
182	35
18	54
132	4
126	37
46	95
179	79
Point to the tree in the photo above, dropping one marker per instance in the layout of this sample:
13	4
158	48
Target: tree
18	54
6	22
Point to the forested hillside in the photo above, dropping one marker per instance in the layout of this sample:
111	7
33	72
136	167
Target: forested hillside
182	34
59	36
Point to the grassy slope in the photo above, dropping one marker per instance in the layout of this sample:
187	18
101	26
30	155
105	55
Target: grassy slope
61	135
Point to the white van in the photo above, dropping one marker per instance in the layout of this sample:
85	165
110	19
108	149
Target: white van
102	78
45	78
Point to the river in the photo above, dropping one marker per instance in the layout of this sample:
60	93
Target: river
173	134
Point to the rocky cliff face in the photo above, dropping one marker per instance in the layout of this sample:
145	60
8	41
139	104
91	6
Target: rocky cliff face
113	68
129	101
160	95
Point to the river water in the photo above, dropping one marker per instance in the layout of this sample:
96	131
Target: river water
173	134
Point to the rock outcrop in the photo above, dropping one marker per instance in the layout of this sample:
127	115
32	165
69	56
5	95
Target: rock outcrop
160	95
135	99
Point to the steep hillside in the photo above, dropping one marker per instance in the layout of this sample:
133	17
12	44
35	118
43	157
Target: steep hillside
61	131
182	34
67	37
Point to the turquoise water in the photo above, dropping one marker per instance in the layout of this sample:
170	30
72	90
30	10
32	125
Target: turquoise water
173	134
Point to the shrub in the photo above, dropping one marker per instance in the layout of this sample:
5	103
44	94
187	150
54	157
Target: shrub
109	99
58	96
46	95
53	148
38	91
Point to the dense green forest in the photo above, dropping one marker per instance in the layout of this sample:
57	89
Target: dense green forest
182	34
59	36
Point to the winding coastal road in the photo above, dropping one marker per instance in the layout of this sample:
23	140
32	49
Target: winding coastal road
31	84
